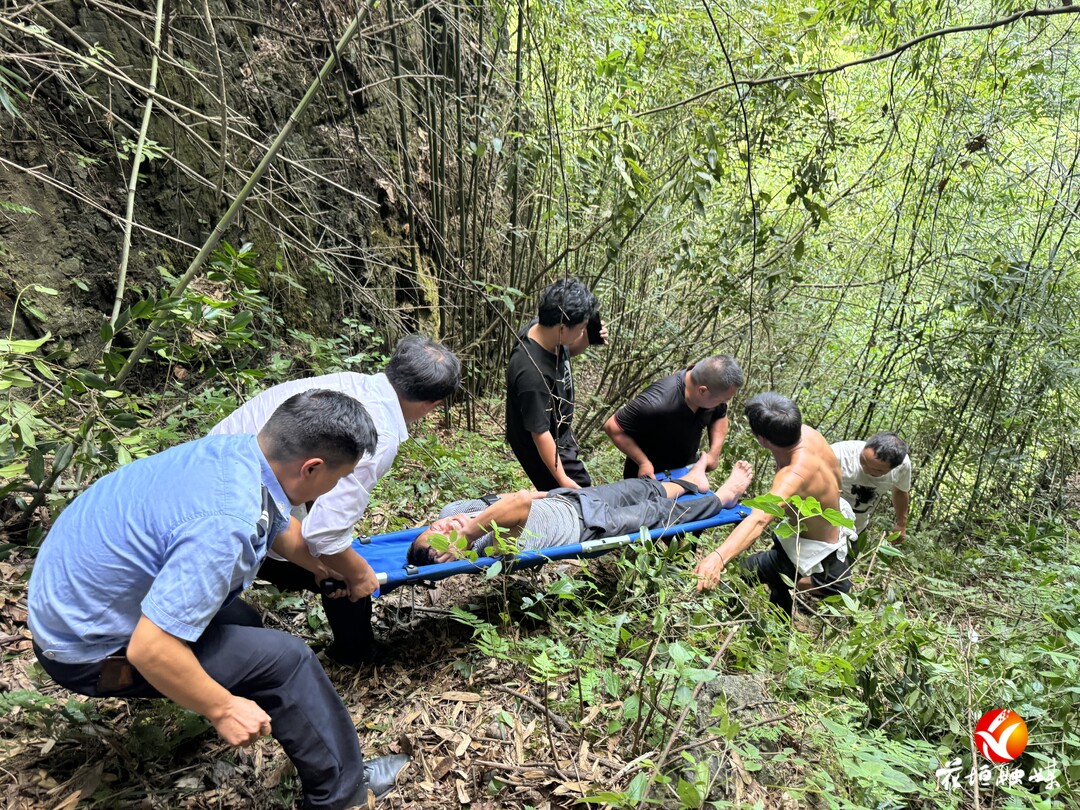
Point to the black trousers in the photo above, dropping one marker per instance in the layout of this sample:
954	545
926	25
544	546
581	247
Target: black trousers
281	674
529	457
350	622
771	566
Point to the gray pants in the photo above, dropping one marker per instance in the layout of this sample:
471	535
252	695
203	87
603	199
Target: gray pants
624	507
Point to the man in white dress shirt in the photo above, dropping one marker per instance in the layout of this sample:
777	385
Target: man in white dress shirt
880	465
420	375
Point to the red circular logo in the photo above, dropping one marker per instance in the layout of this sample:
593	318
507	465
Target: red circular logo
1001	735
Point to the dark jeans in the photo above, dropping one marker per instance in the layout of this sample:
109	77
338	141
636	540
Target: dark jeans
771	566
623	507
281	674
350	622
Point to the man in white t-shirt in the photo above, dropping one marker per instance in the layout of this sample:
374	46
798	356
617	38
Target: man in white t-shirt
879	465
421	374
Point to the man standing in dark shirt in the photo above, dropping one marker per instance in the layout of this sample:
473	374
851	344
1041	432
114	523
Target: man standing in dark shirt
540	388
661	428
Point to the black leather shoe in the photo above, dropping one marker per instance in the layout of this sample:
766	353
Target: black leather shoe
380	773
375	654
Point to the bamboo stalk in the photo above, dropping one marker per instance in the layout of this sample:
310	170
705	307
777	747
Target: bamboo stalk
404	135
226	218
212	36
133	180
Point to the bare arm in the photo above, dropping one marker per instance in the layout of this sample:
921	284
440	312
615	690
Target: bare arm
718	431
170	666
290	545
359	577
630	448
358	574
786	484
549	454
509	512
741	538
901	502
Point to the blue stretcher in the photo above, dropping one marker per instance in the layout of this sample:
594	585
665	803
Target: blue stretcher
385	553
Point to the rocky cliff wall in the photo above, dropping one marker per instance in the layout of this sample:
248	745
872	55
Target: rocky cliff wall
329	222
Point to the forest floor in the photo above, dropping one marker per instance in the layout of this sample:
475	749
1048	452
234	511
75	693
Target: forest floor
478	730
512	693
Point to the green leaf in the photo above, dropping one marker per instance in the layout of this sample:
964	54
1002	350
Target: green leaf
808	507
769	504
701	675
13	470
27	435
836	518
240	321
494	569
124	421
22	346
679	654
439	542
6	205
142	309
689	795
605	797
91	380
636	791
35	466
43	370
62	458
784	530
15	379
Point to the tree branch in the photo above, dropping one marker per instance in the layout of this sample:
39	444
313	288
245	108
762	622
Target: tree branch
877	57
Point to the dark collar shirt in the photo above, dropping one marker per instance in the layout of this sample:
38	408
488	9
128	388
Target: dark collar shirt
664	426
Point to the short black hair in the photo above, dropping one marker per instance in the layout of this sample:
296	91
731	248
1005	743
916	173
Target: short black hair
419	554
319	423
718	373
888	447
566	301
776	418
422	370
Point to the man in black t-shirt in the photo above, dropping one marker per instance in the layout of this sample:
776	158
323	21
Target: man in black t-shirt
540	388
660	429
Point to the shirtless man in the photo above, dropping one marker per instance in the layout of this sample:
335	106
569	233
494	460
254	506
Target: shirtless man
566	516
805	466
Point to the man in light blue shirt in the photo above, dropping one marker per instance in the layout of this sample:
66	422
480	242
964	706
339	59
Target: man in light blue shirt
134	591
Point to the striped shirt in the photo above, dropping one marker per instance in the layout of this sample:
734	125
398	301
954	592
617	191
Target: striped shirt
552	521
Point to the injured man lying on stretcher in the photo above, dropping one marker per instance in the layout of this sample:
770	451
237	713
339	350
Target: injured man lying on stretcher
566	516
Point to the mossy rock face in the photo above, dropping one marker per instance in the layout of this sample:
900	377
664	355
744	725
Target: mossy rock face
324	200
58	247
